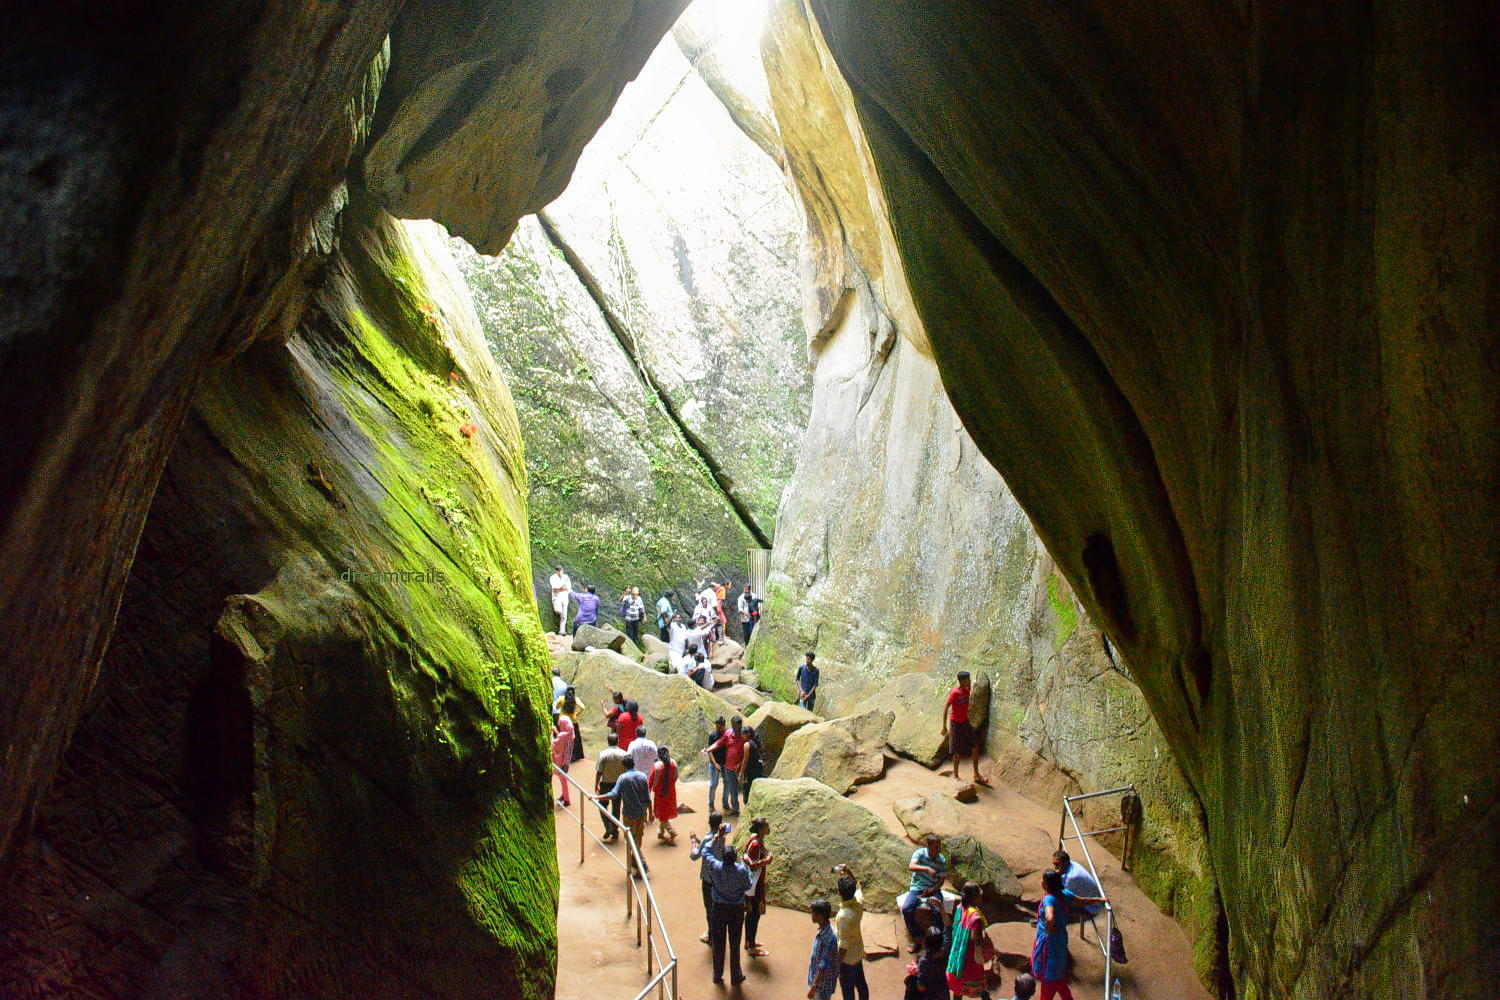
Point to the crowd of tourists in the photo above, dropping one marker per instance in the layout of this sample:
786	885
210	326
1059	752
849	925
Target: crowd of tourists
635	784
700	626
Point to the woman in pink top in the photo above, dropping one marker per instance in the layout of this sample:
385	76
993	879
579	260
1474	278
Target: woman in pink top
562	754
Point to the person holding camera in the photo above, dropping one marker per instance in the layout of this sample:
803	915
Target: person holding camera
851	940
729	882
713	844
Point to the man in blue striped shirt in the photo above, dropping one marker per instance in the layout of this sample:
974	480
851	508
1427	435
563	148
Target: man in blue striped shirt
823	967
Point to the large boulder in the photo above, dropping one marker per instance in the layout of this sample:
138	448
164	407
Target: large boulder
979	702
652	644
841	753
774	722
592	637
917	700
814	828
970	860
744	698
727	651
921	815
675	711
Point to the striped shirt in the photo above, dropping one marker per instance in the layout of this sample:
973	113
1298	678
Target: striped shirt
823	967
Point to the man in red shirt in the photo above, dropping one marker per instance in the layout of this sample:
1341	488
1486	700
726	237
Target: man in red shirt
963	740
733	742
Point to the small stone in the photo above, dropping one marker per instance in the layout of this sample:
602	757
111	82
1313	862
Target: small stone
967	795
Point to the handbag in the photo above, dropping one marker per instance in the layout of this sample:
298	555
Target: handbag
1117	947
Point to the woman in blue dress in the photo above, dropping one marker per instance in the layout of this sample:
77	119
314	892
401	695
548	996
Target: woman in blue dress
1049	955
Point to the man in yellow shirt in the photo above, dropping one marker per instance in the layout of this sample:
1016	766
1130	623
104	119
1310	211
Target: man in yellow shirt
851	941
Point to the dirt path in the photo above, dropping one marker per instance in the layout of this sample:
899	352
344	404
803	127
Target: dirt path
598	958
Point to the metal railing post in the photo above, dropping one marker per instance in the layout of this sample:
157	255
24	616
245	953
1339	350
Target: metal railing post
634	902
1080	836
1109	933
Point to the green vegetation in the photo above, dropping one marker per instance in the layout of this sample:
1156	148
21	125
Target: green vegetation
437	689
1064	612
614	494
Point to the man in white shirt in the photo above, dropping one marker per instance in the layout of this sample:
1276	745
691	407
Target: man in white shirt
1079	881
643	751
562	586
747	622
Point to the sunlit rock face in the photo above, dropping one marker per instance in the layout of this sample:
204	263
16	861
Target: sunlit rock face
313	766
1215	291
649	324
899	548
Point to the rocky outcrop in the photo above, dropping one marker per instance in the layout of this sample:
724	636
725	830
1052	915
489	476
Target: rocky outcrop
841	753
649	322
744	699
972	861
587	637
973	586
774	722
814	828
172	177
1232	345
916	701
922	815
540	76
675	711
314	763
896	542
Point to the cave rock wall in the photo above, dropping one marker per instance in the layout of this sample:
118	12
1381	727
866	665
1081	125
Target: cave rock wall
316	764
1214	287
900	549
648	323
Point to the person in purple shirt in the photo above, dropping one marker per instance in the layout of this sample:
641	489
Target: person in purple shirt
588	608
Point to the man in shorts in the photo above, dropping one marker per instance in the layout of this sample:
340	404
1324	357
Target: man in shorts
963	740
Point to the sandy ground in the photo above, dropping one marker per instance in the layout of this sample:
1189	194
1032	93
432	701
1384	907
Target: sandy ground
598	957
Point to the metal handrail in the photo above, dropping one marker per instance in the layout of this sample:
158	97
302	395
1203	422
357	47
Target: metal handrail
1081	836
655	926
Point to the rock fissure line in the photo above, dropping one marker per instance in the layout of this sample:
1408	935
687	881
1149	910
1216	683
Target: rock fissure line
626	339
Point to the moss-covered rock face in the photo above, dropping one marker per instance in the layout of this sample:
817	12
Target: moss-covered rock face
317	765
168	172
1214	288
649	323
